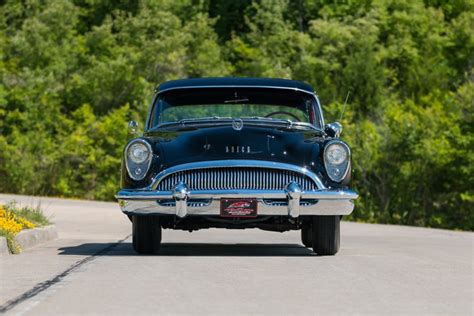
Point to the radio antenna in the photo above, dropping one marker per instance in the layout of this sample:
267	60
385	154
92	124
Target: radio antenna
344	106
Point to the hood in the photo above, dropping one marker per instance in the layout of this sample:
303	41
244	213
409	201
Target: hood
223	142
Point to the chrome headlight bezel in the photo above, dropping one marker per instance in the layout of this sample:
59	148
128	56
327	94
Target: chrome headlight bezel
337	171
138	170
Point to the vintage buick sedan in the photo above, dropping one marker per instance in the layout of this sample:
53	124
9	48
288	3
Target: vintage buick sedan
237	153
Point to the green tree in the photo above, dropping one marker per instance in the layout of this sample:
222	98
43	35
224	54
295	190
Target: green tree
73	72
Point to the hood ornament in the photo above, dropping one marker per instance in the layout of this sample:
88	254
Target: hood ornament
237	124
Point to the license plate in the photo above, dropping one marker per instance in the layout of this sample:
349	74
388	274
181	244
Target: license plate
239	207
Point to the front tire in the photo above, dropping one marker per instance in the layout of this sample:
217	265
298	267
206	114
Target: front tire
326	235
146	234
307	235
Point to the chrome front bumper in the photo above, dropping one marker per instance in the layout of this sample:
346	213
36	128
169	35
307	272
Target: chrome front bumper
291	202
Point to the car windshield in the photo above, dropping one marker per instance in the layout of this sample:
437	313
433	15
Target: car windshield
244	103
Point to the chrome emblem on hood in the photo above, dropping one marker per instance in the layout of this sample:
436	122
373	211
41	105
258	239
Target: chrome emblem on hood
237	149
237	124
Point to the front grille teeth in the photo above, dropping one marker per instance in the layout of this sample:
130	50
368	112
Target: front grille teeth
192	203
236	178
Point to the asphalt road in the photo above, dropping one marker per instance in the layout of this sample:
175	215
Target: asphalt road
92	269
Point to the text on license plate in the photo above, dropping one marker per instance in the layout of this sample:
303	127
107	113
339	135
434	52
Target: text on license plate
239	207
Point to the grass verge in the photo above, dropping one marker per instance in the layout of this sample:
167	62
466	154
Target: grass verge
14	219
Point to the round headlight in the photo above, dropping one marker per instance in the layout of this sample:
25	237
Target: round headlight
336	154
337	160
138	153
138	157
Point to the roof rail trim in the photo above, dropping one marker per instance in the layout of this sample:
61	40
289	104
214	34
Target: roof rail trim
237	86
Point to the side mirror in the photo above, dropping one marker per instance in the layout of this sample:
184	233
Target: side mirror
333	129
133	127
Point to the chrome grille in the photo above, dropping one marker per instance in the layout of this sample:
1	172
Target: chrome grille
235	178
191	203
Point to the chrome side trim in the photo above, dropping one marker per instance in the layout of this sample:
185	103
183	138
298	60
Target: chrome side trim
235	163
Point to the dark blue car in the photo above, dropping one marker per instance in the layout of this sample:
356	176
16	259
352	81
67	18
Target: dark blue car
237	153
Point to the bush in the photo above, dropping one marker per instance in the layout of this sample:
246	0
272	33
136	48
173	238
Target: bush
72	73
14	219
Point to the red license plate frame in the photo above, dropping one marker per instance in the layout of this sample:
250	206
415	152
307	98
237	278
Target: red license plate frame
243	208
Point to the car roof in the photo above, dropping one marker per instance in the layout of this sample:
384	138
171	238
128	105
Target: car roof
234	82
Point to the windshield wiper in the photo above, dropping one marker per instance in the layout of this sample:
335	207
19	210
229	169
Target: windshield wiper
190	122
262	118
203	119
269	120
289	124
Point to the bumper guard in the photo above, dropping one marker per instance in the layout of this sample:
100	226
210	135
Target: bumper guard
291	202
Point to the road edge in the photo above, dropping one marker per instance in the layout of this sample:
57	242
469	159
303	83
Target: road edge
29	238
42	286
4	246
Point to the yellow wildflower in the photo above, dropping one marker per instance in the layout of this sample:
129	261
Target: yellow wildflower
12	224
25	223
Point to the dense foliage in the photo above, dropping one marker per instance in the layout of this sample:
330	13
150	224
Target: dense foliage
73	72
